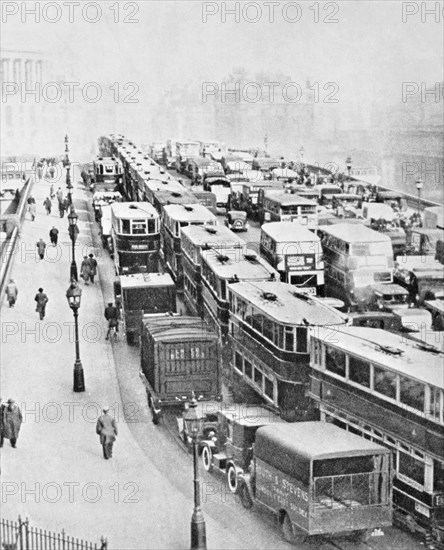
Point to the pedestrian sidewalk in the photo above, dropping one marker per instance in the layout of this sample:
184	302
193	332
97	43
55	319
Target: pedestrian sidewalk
57	476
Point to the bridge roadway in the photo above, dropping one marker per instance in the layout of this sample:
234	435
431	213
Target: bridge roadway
143	497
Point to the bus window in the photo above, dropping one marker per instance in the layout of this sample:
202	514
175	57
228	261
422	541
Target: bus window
438	475
152	226
268	329
289	339
301	340
139	227
359	371
385	382
412	393
126	227
335	361
411	468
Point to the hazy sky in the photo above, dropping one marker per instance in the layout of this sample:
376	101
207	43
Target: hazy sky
369	51
364	47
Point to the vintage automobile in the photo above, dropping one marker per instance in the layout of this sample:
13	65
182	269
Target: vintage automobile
228	448
236	220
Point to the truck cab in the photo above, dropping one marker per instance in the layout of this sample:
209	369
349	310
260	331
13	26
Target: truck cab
228	448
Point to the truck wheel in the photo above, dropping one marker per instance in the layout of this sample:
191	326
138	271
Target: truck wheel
232	478
245	497
207	458
290	533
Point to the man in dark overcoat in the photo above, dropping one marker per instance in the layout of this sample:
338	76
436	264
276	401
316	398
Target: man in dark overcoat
106	428
11	422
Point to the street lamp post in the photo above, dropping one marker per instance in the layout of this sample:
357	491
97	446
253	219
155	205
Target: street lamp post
73	232
198	530
348	164
419	189
67	165
73	295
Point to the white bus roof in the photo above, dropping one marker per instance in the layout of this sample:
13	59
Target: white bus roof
390	350
229	264
289	232
282	302
145	279
355	233
189	213
287	198
213	235
134	210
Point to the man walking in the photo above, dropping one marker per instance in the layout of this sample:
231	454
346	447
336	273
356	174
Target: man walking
93	264
32	210
42	299
11	292
11	423
85	269
48	205
59	195
112	316
41	246
54	235
106	428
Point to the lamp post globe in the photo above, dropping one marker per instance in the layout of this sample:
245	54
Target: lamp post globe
74	295
194	424
73	231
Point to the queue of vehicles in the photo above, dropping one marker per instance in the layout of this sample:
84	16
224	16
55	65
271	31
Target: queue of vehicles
269	326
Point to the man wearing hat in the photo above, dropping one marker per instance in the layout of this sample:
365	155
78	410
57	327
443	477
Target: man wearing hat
11	423
106	428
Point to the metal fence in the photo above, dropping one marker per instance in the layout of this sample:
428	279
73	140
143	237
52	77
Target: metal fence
19	535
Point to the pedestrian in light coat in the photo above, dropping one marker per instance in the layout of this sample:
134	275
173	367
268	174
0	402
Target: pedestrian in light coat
11	292
41	246
85	270
93	264
32	210
42	299
11	423
54	235
48	205
106	428
59	195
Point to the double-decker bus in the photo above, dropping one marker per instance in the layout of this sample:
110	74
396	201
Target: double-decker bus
296	253
196	239
268	334
108	174
389	389
185	149
175	217
356	257
219	268
135	233
281	206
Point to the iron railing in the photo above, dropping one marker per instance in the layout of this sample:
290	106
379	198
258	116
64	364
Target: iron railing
19	535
